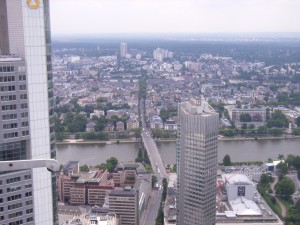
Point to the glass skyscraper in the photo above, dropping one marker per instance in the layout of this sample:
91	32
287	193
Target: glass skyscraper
26	125
196	163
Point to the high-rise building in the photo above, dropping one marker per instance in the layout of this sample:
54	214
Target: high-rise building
26	114
196	163
161	54
123	49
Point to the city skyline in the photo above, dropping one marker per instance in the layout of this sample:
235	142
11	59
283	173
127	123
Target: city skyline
131	16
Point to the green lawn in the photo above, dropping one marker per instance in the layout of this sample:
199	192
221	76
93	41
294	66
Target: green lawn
276	208
287	203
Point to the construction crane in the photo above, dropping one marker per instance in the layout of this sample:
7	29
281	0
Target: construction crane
52	165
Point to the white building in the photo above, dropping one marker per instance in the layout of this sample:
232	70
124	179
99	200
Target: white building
238	185
25	33
123	49
160	54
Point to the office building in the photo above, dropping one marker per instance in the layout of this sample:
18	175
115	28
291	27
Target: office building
125	204
196	163
123	49
27	125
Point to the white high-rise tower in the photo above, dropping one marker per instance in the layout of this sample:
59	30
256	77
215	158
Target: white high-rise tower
123	49
196	163
27	125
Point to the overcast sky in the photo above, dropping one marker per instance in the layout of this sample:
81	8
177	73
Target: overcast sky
174	16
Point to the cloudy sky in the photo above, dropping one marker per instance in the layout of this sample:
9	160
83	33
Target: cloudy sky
174	16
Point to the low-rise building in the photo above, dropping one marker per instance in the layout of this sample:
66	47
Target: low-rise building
132	124
170	125
120	126
88	188
156	123
256	114
240	203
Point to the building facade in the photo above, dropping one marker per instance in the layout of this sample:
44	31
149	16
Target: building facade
27	125
123	49
125	204
196	163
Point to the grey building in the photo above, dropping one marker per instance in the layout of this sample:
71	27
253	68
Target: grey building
196	163
26	113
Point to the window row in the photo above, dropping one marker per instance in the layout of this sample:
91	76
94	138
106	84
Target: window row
13	189
7	69
7	78
8	107
10	126
15	206
8	88
10	135
13	180
9	116
7	98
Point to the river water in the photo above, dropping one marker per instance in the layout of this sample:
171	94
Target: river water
239	151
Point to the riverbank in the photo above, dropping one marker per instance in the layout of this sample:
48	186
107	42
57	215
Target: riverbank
82	141
257	138
119	141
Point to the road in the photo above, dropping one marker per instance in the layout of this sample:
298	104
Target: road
154	156
159	170
150	214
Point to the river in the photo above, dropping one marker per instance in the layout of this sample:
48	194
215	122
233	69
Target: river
239	151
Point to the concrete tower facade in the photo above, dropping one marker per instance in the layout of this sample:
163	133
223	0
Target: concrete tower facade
27	126
123	49
196	163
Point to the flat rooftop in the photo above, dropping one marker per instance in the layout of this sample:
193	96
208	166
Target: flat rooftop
243	211
197	106
236	179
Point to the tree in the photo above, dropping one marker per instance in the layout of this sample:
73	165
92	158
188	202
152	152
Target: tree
244	126
84	168
164	114
165	186
251	126
257	118
61	136
111	164
275	131
285	187
153	181
102	166
77	125
298	121
265	179
245	117
293	215
278	119
226	160
283	168
137	133
175	168
262	130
